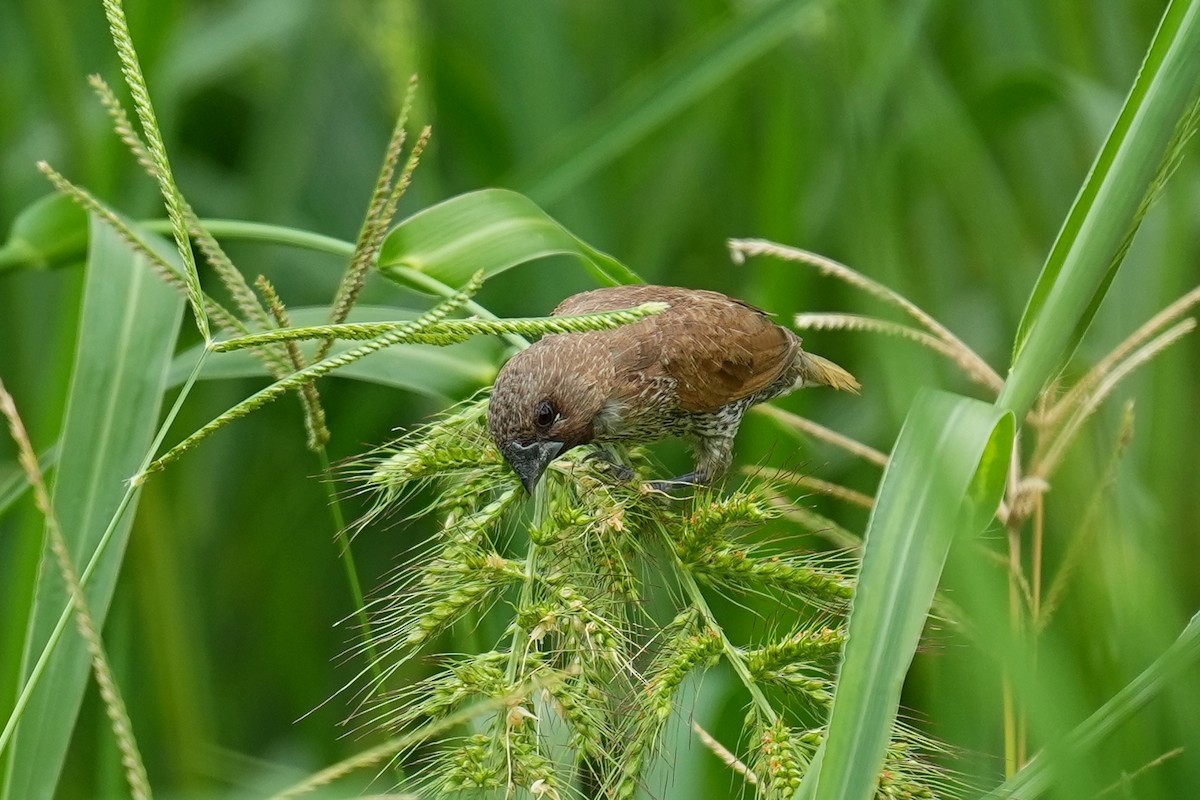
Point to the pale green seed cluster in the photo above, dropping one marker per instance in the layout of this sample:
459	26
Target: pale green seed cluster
782	758
574	694
709	545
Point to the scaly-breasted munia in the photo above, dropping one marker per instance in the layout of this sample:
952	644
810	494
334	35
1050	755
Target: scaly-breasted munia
690	371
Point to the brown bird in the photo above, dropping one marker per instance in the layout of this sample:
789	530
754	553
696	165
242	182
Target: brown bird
689	371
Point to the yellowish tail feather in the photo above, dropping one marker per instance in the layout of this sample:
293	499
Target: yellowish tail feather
824	372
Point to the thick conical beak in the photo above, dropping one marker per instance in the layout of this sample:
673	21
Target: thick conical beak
529	461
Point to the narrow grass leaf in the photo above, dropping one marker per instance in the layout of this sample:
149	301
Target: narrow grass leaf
127	333
1091	244
490	231
945	475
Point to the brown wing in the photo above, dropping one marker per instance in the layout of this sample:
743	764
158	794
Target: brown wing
717	349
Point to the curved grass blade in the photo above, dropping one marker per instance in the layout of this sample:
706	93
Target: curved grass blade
945	475
1092	243
490	231
49	232
129	323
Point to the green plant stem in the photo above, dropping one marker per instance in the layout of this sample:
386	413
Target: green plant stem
347	556
260	232
356	592
541	512
732	653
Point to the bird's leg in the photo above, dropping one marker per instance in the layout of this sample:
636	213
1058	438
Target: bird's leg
602	454
696	479
714	454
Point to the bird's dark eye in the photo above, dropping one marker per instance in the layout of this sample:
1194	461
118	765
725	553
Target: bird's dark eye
546	414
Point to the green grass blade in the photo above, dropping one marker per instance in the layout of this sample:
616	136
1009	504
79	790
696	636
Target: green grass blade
14	482
129	324
490	231
444	373
1036	776
945	475
680	81
1090	245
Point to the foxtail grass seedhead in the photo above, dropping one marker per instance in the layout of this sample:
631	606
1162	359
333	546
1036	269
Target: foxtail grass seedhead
577	579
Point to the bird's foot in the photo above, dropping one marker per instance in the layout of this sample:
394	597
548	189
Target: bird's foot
694	480
610	463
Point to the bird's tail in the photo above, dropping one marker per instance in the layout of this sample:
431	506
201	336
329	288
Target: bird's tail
824	372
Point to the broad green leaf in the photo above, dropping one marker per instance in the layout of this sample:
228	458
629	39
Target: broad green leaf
1035	777
489	230
945	476
682	80
127	333
1091	245
48	233
447	373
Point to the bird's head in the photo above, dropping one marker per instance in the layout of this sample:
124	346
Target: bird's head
545	400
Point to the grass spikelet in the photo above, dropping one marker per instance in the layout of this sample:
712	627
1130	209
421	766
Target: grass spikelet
583	578
781	759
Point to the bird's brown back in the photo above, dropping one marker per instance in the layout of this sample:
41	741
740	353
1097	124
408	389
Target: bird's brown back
716	349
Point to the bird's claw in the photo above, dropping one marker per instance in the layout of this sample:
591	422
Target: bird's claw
619	471
693	480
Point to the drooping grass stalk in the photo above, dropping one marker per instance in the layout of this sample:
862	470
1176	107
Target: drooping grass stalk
973	364
450	331
434	286
136	81
230	276
382	209
857	322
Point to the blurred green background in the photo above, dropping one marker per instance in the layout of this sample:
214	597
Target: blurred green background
935	146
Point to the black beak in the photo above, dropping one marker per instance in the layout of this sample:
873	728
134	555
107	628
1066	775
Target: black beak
529	461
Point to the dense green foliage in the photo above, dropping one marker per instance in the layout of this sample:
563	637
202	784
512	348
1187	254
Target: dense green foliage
933	146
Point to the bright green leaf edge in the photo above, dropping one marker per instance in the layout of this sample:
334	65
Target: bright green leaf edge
490	230
946	475
49	232
1088	249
